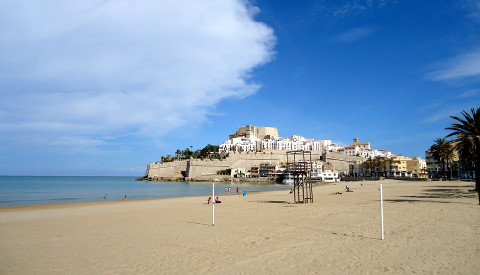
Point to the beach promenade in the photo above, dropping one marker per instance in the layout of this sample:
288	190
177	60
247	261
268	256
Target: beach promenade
430	227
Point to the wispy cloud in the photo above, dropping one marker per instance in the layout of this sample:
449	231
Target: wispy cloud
444	107
353	7
473	9
113	68
353	35
466	65
470	93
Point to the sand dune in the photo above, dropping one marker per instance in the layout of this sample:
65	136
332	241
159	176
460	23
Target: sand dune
430	227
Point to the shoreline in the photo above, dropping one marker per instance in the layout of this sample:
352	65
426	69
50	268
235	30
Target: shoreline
100	202
47	190
430	227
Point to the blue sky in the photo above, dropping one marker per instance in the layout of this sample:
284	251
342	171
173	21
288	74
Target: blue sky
98	87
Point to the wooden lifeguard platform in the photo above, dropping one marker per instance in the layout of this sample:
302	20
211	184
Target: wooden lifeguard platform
299	164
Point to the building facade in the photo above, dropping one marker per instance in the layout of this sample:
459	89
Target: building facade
259	139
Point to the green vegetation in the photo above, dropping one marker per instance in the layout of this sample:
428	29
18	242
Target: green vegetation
443	150
374	166
209	151
466	142
466	133
224	172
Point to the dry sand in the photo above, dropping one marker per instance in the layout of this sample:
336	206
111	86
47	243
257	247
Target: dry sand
430	227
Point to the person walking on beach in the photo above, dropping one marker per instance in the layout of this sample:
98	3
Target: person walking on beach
105	197
125	198
228	190
238	191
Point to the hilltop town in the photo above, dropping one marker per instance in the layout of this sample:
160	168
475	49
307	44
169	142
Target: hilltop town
259	154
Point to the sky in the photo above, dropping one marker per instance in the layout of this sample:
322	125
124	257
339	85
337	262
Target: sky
102	88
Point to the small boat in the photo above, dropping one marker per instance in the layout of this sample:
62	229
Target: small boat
287	179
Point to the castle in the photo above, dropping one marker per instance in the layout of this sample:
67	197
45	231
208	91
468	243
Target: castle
255	151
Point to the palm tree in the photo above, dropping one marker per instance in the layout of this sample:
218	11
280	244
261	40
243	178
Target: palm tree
367	164
376	163
449	154
467	154
439	151
178	152
382	165
467	132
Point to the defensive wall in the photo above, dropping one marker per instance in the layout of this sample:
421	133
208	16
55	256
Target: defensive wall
340	161
206	169
169	170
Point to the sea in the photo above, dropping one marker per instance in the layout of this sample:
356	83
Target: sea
32	190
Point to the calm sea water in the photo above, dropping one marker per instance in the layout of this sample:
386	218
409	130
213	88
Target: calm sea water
46	190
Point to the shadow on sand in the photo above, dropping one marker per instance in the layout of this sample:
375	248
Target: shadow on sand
199	223
277	202
445	192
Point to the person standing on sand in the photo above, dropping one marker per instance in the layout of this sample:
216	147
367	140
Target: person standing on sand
125	198
228	190
238	191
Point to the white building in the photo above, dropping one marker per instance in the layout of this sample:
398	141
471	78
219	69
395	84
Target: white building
239	144
252	143
363	149
329	176
317	170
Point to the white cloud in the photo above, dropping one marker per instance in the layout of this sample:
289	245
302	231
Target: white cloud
353	35
105	68
462	66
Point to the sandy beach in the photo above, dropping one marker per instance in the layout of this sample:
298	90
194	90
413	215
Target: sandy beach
430	227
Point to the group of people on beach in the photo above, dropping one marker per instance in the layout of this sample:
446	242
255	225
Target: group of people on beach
105	197
227	190
347	189
217	200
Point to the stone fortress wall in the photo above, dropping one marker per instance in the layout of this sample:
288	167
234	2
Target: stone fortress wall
260	132
340	161
168	170
197	169
206	169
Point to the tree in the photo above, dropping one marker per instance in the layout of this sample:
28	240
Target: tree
381	166
466	131
207	150
177	153
467	154
368	164
439	151
187	153
449	154
377	163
